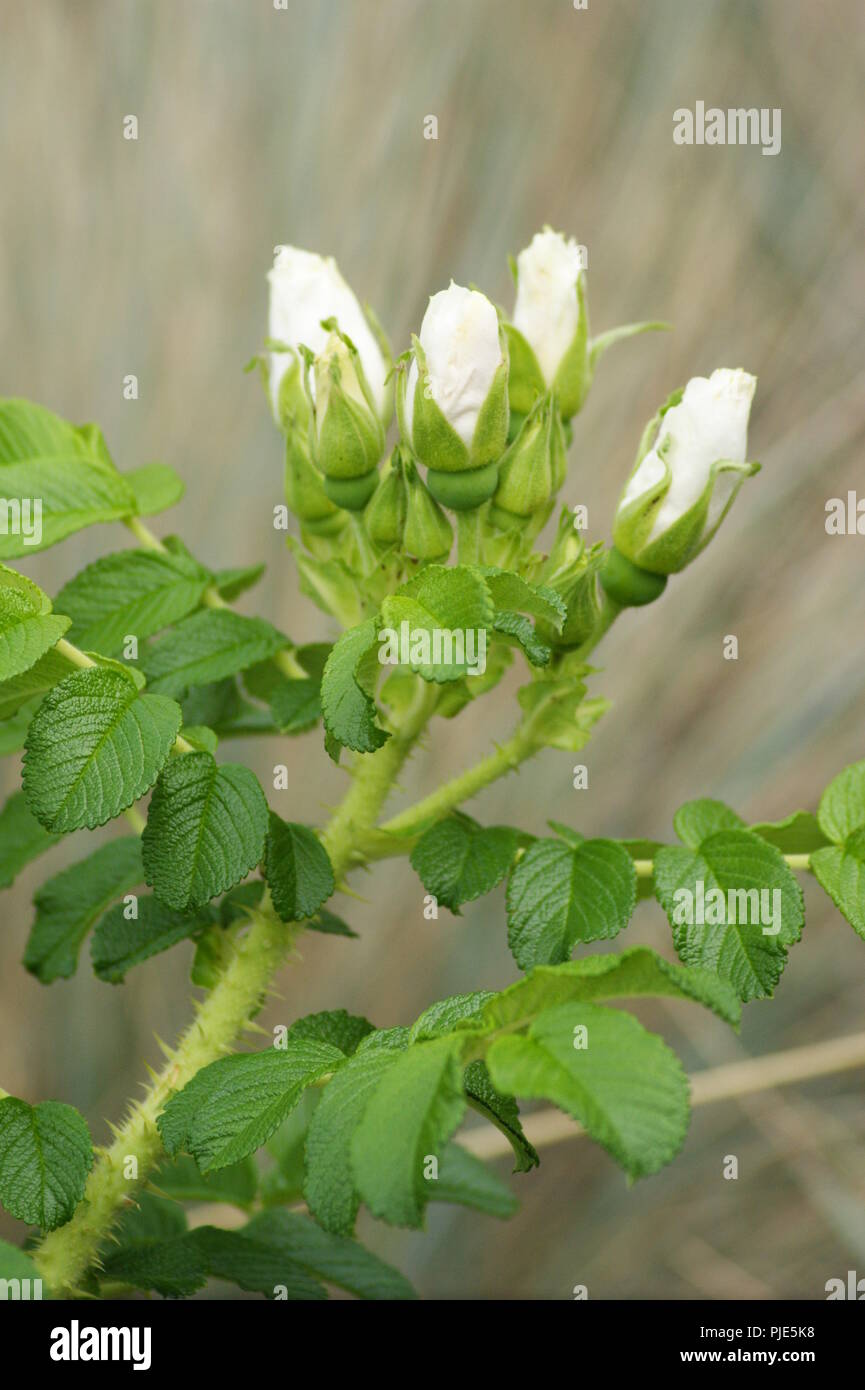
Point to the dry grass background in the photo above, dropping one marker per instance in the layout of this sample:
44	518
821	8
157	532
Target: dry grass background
258	127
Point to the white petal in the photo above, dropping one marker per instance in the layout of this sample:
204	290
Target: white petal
709	423
547	310
460	339
306	288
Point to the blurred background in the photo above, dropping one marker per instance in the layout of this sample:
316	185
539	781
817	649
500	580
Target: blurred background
259	126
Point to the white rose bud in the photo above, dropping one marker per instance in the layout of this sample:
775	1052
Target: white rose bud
548	336
547	310
690	466
454	400
306	289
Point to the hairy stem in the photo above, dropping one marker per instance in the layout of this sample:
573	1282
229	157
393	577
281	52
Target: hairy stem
66	1254
506	758
469	537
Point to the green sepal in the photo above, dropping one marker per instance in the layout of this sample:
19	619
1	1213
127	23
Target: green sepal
525	378
428	534
462	492
352	494
574	372
627	584
304	485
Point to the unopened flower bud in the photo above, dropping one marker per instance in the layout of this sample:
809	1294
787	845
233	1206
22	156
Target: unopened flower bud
548	337
347	434
690	466
453	399
428	534
385	516
534	465
306	289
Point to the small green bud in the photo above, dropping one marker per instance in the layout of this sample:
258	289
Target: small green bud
304	485
534	462
385	515
428	534
347	434
627	584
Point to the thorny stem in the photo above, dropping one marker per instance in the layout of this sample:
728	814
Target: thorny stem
65	1255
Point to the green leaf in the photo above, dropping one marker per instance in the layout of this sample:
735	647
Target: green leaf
842	805
441	607
414	1110
517	631
560	716
511	593
697	820
559	894
95	745
346	702
629	974
16	1265
327	922
119	943
840	871
731	880
623	1084
28	628
205	830
150	1218
458	860
466	1181
502	1111
336	1259
297	869
66	469
232	583
32	684
208	646
156	487
296	705
45	1156
329	1189
255	1265
334	1026
183	1180
13	731
174	1268
230	1108
222	708
443	1016
22	838
798	833
134	593
68	904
